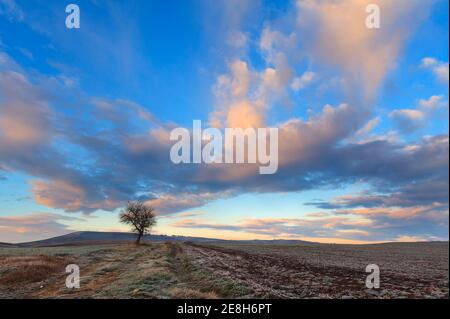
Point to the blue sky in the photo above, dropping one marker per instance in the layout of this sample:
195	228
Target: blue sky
362	113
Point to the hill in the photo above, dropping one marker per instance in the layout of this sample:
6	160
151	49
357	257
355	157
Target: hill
92	237
6	245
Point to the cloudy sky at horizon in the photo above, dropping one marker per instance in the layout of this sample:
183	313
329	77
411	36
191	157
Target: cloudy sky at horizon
85	117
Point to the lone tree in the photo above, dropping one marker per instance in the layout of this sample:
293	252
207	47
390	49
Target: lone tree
140	217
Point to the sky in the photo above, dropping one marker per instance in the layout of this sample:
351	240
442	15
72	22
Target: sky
362	116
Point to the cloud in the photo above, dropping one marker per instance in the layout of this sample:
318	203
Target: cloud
410	120
439	68
226	22
361	56
71	197
235	107
412	239
338	37
357	232
237	39
334	227
433	103
304	80
120	153
368	127
11	10
95	153
24	116
188	214
169	203
431	193
33	226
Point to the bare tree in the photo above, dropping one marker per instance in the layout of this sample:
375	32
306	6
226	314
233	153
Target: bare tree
140	216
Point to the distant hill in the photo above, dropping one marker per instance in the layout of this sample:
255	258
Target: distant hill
6	245
92	237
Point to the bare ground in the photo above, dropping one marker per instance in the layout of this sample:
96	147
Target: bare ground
169	270
331	271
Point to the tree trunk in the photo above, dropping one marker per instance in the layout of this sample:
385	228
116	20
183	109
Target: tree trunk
138	240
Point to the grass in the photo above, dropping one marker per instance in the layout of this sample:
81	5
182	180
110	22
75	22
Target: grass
113	271
206	283
176	270
53	251
29	269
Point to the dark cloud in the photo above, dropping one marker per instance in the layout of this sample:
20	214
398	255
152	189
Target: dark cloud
415	194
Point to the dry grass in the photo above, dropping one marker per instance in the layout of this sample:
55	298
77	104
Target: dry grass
188	293
19	270
174	270
206	282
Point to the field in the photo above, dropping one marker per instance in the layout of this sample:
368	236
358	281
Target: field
226	270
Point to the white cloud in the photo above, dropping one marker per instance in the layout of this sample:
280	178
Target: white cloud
304	80
435	102
439	68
